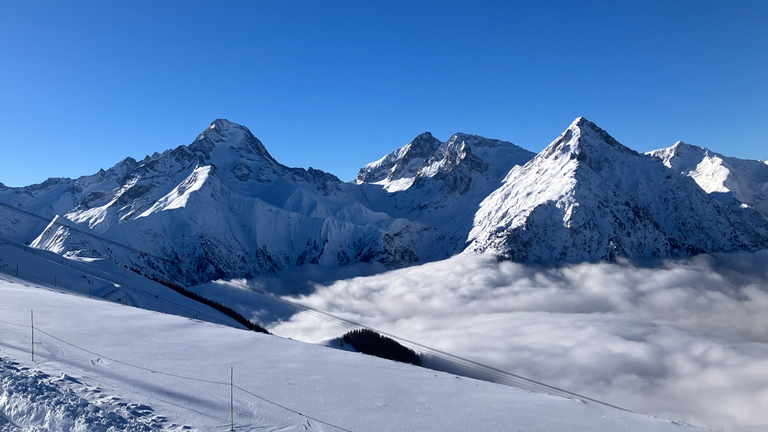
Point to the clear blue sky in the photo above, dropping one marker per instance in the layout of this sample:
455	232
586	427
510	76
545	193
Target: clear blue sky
337	84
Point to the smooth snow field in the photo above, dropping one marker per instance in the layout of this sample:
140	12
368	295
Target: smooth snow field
100	365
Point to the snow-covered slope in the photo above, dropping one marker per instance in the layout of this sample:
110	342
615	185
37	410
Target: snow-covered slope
720	176
103	366
223	206
587	197
438	183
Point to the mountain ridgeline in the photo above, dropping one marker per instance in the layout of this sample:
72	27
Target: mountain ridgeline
223	207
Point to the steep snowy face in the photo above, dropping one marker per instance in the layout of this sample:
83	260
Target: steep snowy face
223	207
224	133
54	196
723	177
586	197
438	183
401	165
455	163
426	162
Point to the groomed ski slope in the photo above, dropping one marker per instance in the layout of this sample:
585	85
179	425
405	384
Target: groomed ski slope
350	390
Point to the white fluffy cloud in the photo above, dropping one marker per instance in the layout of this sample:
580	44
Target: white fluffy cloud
684	339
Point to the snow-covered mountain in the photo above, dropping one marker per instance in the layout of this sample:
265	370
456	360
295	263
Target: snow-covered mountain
586	197
721	176
438	183
224	207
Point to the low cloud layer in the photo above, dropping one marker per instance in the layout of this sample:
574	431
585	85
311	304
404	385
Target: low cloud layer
683	339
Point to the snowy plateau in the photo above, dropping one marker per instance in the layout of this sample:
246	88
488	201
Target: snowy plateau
217	214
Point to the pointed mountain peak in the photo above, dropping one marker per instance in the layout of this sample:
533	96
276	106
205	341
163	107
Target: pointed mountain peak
424	136
581	121
222	132
681	154
460	137
423	140
680	146
220	128
582	139
224	124
403	161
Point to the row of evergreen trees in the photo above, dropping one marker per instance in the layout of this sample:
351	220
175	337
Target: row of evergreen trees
369	342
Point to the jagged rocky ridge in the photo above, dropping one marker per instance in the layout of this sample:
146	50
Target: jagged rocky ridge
223	207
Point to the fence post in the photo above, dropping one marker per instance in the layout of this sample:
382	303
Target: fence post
232	398
32	322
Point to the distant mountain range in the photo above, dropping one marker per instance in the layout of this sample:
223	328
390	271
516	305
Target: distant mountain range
224	207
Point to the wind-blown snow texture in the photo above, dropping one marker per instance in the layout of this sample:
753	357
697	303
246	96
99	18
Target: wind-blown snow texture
223	207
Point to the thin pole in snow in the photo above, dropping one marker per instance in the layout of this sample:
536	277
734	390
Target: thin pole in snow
32	322
232	398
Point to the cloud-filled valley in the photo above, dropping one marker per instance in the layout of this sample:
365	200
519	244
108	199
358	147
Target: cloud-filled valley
684	339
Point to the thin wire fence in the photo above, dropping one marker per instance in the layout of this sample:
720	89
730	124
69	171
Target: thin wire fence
37	329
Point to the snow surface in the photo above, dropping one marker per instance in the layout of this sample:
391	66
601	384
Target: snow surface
67	388
721	176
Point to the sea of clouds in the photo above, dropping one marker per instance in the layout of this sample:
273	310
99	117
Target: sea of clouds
679	339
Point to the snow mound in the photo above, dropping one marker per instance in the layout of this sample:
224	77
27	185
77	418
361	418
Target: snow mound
33	400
